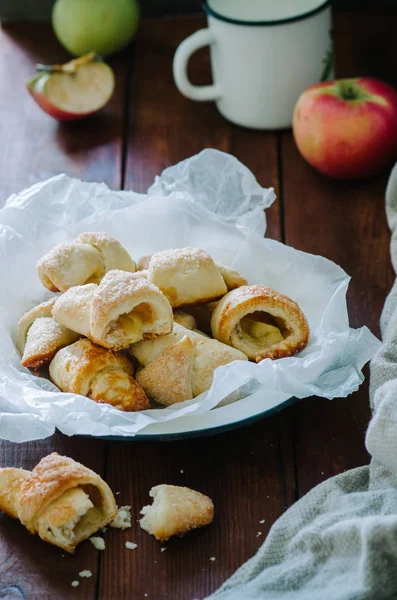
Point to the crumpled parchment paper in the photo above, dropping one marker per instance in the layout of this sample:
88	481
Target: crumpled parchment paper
210	201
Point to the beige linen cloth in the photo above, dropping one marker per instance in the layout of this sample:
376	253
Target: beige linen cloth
339	542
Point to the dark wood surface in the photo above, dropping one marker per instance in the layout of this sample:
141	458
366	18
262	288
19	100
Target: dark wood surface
253	473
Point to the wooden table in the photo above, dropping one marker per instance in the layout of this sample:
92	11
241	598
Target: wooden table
252	474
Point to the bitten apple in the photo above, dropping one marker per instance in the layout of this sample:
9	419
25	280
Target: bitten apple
74	90
347	128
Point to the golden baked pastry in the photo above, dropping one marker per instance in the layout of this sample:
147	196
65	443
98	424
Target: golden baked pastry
231	277
185	319
84	260
121	310
207	356
187	276
143	263
61	500
168	379
102	375
39	336
260	322
175	511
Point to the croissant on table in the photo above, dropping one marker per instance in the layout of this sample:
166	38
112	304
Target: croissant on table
100	374
39	336
61	500
121	310
260	322
85	260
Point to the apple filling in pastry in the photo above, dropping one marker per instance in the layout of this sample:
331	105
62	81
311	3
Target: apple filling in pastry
130	327
260	322
260	330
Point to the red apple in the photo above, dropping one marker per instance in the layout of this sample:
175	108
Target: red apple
73	90
347	128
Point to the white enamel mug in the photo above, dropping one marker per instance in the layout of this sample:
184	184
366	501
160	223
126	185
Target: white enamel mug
264	53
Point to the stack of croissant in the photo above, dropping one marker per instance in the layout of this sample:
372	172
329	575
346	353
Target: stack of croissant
122	333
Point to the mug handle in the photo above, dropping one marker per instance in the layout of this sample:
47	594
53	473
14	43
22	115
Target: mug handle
201	93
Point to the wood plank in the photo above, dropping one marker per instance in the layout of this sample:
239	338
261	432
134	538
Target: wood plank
346	223
241	470
365	43
33	146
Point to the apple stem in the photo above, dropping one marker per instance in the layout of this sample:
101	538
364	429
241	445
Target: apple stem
69	67
328	65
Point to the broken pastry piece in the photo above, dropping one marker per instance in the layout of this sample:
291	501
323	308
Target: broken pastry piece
120	311
186	276
61	500
39	336
189	363
85	260
102	375
175	511
260	322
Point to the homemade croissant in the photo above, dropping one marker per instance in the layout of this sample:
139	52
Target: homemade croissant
260	322
39	336
180	363
175	511
186	276
85	260
102	375
121	310
170	269
61	500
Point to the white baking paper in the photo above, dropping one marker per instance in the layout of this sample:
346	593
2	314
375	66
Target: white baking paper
210	201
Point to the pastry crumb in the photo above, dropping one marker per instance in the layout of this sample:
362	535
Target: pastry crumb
163	549
104	529
86	573
117	493
123	518
98	542
262	521
181	471
212	558
75	583
131	545
259	534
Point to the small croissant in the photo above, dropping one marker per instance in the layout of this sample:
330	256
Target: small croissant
85	260
120	311
61	500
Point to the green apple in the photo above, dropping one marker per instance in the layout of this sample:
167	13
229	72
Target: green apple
101	26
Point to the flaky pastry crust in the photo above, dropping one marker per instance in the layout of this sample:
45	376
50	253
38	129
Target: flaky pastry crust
187	276
274	327
121	310
61	500
84	260
100	374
